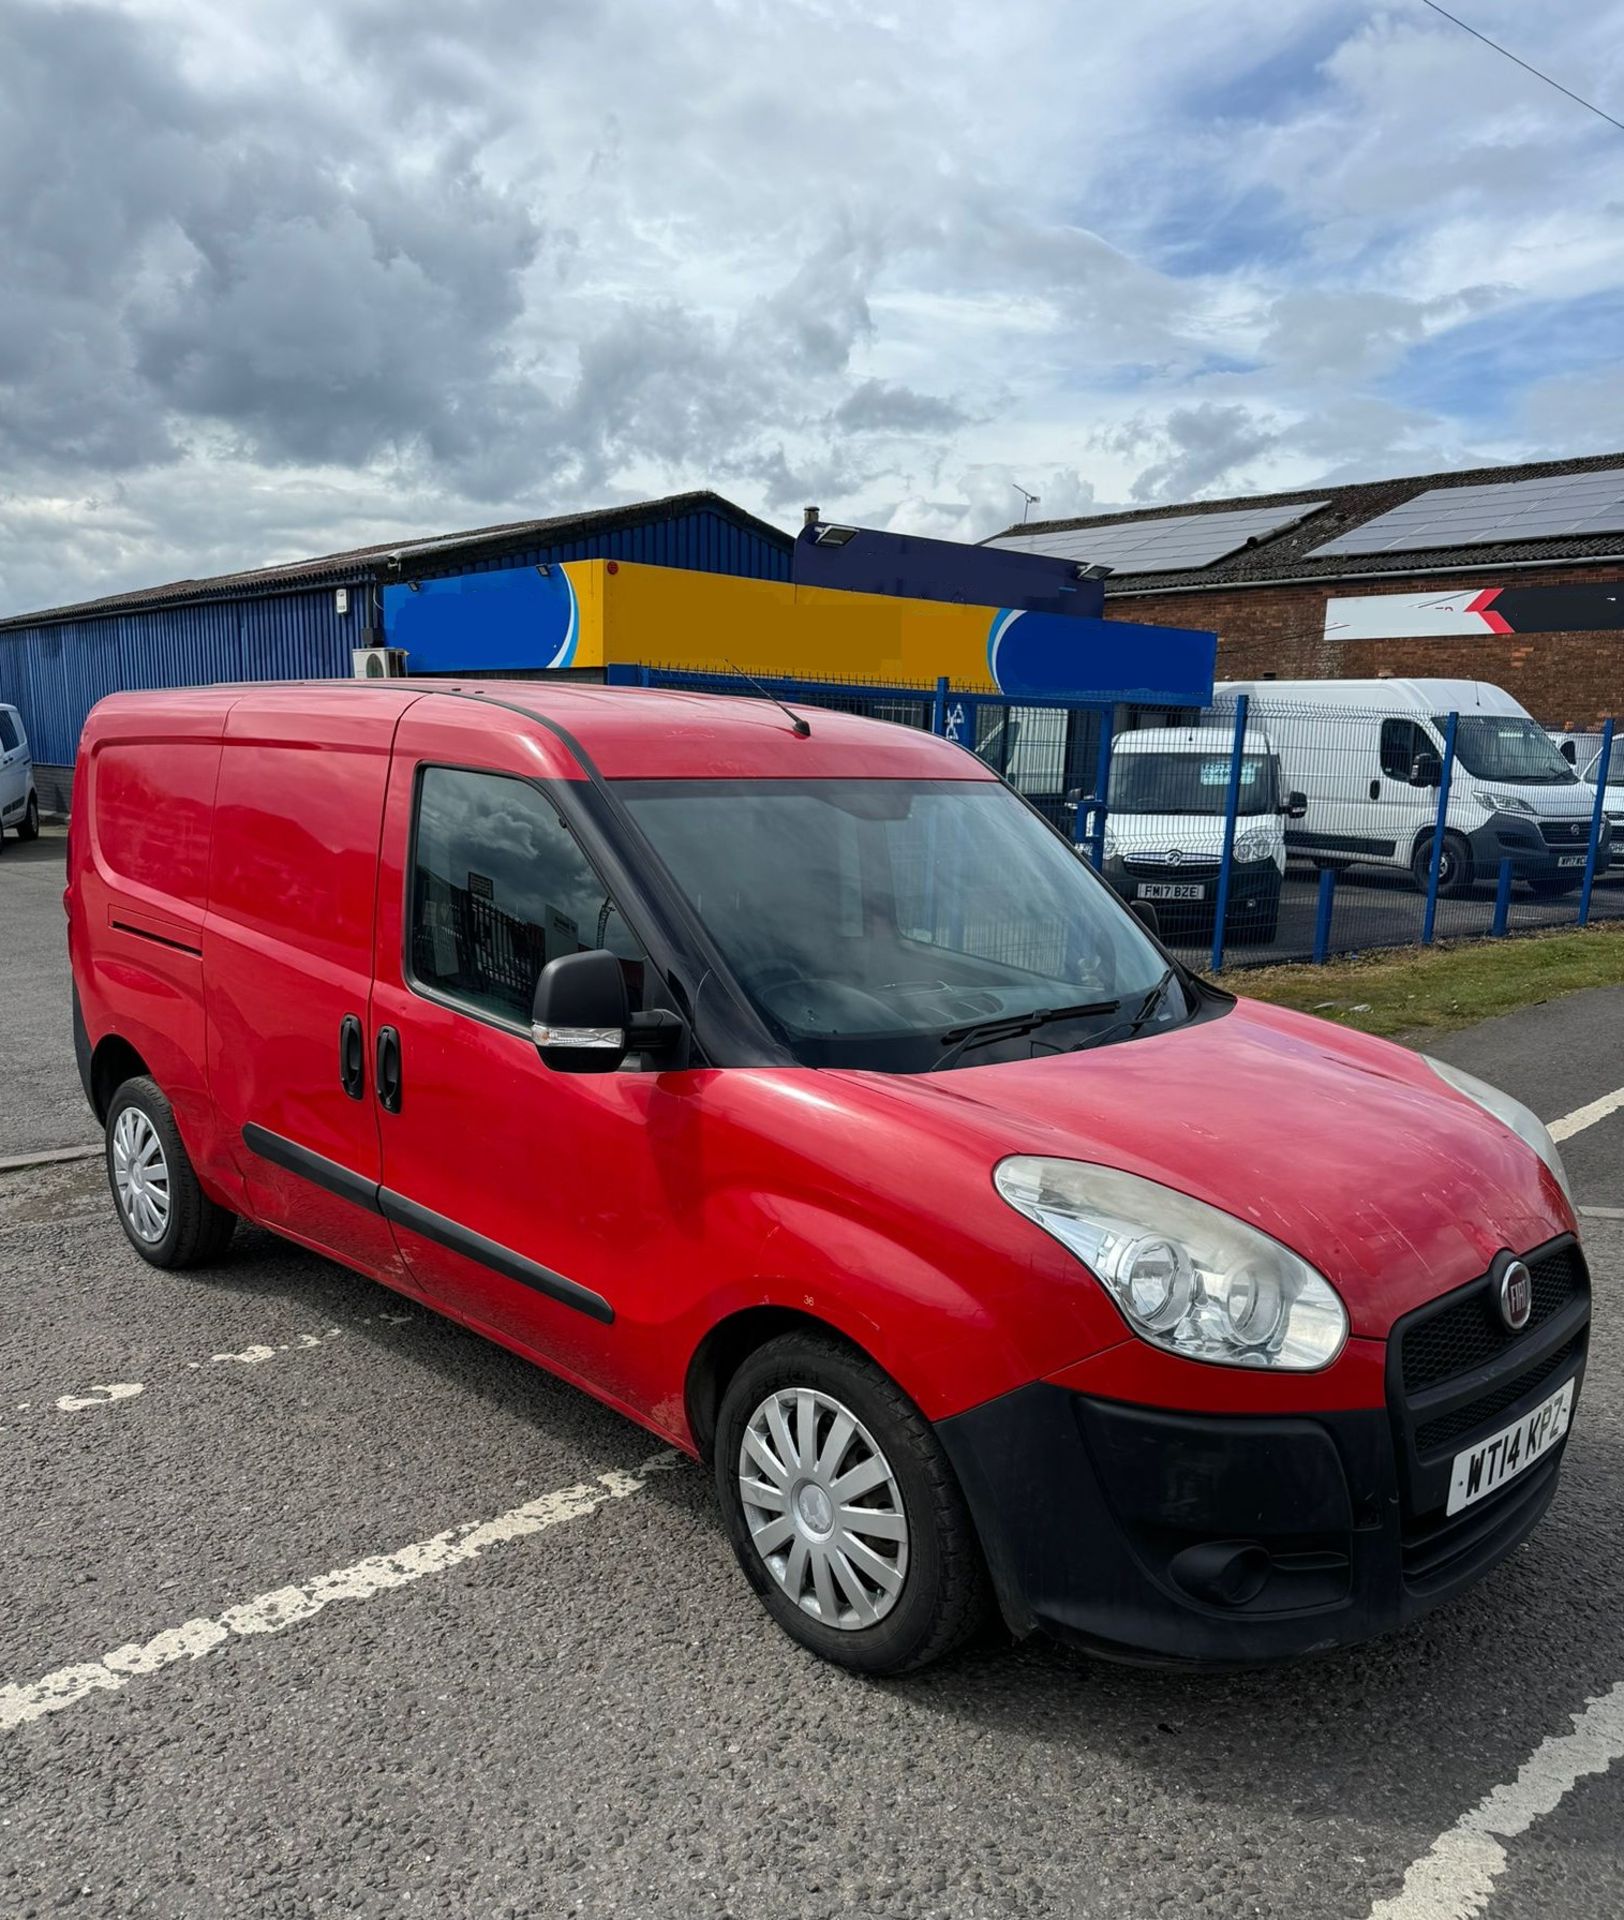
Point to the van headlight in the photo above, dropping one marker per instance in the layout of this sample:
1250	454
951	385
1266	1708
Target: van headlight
1503	802
1527	1125
1187	1277
1256	843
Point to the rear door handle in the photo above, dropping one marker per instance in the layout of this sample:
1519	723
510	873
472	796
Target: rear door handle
352	1057
389	1069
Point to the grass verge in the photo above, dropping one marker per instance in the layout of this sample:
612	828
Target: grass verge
1454	984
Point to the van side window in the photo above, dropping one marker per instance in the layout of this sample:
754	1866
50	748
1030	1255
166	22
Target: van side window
500	886
1402	743
9	736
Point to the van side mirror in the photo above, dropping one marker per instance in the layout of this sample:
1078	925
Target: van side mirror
1147	916
580	1015
1426	770
1570	753
581	1023
1295	806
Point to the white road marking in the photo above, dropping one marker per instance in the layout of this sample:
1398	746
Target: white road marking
1582	1117
1454	1879
98	1396
48	1157
292	1606
1602	1213
251	1356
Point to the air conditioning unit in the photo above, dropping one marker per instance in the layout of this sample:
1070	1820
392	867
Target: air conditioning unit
378	663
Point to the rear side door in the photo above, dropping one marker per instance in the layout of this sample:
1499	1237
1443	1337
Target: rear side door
288	960
13	766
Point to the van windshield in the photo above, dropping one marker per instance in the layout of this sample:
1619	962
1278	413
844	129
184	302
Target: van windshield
1507	747
1187	782
871	922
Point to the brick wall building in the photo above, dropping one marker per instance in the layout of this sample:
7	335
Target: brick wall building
1537	613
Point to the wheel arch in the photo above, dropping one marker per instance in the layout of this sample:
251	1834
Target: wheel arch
113	1061
727	1346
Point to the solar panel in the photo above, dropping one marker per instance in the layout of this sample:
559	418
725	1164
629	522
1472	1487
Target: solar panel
1541	509
1162	546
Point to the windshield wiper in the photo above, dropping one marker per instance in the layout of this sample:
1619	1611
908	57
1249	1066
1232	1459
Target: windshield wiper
1128	1028
1012	1026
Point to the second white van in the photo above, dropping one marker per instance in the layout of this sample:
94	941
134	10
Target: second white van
1369	755
1164	831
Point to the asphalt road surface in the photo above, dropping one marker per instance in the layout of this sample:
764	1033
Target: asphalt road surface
313	1604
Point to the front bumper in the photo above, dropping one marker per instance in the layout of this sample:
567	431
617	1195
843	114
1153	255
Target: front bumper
1509	836
1174	1538
1254	888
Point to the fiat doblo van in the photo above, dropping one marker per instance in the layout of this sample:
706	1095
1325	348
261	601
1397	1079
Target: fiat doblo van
784	1080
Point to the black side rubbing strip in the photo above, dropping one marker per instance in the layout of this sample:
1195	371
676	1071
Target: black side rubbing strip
401	1212
396	1208
319	1171
157	939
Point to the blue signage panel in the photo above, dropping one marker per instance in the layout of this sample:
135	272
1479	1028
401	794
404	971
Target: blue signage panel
514	617
1049	656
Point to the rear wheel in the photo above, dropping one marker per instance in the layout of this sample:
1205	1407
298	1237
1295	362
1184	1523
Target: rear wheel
843	1510
165	1214
29	827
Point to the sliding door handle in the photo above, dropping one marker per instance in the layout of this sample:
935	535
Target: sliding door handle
352	1057
389	1069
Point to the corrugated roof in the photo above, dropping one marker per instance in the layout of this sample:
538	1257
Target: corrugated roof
1285	556
418	554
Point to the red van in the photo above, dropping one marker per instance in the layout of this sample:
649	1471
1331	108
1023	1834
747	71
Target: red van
784	1080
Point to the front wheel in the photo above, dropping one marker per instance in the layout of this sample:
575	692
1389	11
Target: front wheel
843	1511
28	829
1455	874
165	1214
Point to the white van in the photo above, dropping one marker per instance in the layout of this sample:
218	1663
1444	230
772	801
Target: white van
19	803
1369	756
1164	827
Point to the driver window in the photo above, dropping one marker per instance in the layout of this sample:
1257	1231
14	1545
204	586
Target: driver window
499	887
1402	743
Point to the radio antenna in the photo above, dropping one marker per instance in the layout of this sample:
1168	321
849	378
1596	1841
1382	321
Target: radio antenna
803	728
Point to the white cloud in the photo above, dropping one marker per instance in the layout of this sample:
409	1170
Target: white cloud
282	278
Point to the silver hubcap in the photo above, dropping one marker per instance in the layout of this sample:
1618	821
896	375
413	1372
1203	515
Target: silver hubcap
140	1176
824	1508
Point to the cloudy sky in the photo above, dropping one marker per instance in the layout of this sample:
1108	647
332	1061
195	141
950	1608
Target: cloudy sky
280	278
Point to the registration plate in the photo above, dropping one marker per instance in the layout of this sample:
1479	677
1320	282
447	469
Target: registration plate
1490	1464
1570	860
1166	890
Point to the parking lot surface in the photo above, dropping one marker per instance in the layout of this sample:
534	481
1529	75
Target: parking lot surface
315	1604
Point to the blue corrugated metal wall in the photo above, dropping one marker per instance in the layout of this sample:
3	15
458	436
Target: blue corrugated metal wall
56	672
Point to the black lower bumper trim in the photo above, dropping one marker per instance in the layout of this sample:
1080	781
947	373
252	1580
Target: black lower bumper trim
1215	1541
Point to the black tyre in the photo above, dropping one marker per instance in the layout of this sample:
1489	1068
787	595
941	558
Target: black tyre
29	826
843	1511
1455	875
165	1214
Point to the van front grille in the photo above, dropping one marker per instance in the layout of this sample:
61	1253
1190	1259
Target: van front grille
1468	1332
